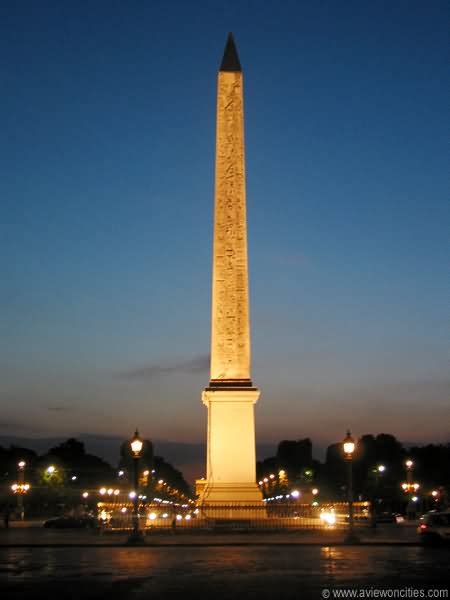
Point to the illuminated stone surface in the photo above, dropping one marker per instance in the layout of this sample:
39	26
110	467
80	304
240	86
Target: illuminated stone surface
230	343
230	398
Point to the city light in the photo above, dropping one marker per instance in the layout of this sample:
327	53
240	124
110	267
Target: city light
21	464
349	445
20	488
102	491
315	491
136	444
85	494
407	487
51	469
295	493
328	517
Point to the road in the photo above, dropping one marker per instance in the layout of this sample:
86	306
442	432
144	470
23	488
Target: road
218	572
26	534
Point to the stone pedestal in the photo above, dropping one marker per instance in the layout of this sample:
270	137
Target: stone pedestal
231	460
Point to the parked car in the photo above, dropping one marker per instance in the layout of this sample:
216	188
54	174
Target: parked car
434	527
389	517
72	523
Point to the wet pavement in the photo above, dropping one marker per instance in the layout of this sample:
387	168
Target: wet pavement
219	572
38	536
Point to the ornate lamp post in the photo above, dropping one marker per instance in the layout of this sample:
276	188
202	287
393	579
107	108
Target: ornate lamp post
349	446
377	471
136	444
20	488
21	477
409	488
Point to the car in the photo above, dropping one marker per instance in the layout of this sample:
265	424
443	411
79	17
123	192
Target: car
72	522
434	527
389	517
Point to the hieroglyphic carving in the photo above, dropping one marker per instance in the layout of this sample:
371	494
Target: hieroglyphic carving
230	346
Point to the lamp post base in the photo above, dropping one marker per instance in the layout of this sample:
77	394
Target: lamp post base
351	538
136	539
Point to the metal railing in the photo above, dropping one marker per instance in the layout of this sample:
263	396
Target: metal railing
240	517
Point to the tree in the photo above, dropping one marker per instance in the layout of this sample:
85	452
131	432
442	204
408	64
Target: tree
69	451
295	457
71	458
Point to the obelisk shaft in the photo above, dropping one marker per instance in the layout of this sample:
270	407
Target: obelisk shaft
230	340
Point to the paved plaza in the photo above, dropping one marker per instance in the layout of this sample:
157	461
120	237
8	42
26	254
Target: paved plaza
84	564
218	572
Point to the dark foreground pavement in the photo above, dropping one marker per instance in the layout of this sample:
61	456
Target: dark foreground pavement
38	536
219	572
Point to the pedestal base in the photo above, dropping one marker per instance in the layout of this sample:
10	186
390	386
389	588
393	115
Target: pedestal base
236	502
231	493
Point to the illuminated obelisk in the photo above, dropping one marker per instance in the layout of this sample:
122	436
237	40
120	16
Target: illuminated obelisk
230	397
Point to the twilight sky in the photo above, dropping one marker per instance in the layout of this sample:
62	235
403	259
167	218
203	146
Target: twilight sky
107	169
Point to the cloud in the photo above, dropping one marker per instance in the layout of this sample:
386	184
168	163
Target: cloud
199	364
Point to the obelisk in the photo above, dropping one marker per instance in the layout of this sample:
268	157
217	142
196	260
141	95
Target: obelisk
230	396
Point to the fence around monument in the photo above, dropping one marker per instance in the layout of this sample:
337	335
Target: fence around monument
239	517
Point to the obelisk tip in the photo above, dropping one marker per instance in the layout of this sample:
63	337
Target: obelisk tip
230	60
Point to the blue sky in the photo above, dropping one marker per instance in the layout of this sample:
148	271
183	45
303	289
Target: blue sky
107	171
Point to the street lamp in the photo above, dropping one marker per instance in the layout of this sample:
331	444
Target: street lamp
136	444
21	476
410	486
377	471
349	446
20	488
